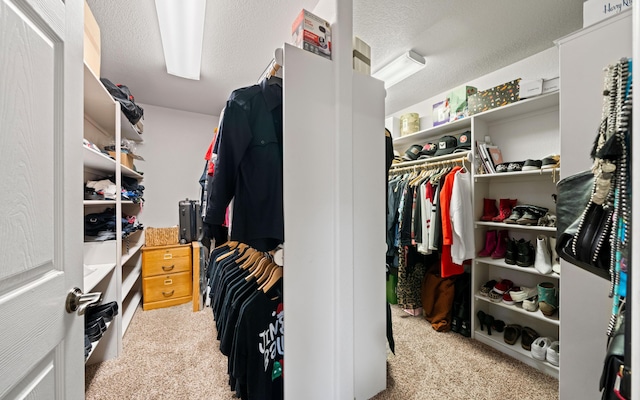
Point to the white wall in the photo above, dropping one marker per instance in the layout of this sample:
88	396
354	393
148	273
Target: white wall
541	65
175	143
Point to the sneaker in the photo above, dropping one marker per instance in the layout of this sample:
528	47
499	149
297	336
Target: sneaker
553	353
551	161
523	293
494	296
514	167
539	348
530	304
502	167
531	215
503	286
531	165
507	299
549	219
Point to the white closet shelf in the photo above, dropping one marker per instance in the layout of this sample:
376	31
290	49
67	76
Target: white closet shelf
99	202
132	251
502	264
434	132
95	344
554	319
522	107
130	173
129	306
502	225
131	278
98	161
98	103
496	340
95	273
127	130
520	176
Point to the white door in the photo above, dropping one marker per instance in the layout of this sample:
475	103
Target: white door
41	345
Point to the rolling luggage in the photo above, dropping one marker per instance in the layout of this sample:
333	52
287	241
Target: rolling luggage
190	220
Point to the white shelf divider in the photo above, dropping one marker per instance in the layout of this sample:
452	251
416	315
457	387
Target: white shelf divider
502	264
502	225
129	307
95	273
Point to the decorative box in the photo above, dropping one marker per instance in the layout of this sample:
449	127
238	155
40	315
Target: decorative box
440	113
458	106
497	96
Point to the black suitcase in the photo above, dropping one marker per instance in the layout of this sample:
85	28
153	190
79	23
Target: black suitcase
190	220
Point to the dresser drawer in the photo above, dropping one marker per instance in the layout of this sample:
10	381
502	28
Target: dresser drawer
165	287
166	261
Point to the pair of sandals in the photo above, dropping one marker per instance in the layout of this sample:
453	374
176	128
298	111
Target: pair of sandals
513	331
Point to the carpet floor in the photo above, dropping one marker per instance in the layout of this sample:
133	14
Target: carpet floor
172	354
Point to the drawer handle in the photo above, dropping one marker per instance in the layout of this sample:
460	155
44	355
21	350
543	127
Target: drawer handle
168	256
168	267
168	294
168	281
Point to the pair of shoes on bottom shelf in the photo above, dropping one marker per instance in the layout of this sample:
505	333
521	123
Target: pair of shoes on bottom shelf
95	328
513	331
545	348
490	322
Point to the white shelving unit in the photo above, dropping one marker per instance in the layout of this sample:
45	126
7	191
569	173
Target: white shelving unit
527	129
112	267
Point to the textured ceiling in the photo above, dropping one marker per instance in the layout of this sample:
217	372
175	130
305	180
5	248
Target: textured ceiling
461	40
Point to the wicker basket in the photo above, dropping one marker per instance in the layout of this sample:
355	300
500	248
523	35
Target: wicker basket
161	236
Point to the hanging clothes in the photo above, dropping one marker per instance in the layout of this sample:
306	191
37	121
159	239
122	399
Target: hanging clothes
461	213
249	167
448	266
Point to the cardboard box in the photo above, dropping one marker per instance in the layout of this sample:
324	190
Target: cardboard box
361	56
597	10
126	159
497	96
458	106
440	113
312	33
91	41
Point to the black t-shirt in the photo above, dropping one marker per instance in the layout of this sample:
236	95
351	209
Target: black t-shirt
259	353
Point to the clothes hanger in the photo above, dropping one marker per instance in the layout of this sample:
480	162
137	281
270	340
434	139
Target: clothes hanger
275	276
251	260
230	244
266	273
258	268
250	251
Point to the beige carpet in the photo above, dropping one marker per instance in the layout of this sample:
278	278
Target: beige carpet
172	354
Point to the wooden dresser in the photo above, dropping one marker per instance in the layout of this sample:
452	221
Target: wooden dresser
166	276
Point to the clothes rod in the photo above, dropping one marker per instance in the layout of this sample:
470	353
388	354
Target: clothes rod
424	165
274	68
466	155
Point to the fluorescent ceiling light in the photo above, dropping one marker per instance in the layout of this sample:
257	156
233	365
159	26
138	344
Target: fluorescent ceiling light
401	68
181	28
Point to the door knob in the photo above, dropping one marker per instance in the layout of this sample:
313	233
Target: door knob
78	301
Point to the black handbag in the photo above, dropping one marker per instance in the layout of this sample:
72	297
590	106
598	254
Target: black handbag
614	367
583	227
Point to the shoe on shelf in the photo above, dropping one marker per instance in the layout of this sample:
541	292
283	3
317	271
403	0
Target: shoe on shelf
465	329
532	165
551	161
487	287
526	254
553	353
503	286
504	208
512	333
501	245
555	260
542	261
539	347
530	304
511	255
528	337
490	243
494	296
507	299
516	214
515	166
481	316
498	325
531	215
490	210
547	298
549	219
523	293
502	167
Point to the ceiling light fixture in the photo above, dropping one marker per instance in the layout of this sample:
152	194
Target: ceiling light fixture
401	68
181	29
